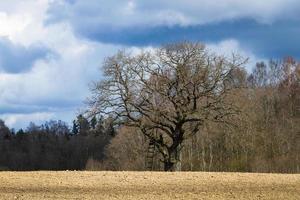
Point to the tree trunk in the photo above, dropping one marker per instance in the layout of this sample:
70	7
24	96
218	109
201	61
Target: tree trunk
178	158
173	162
169	166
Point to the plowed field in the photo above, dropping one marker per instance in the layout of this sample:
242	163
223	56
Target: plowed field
147	185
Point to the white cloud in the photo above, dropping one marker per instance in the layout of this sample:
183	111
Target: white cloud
22	21
230	46
12	24
22	120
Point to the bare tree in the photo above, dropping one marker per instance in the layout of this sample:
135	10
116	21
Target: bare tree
168	93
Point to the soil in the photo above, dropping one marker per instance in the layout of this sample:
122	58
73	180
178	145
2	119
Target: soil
147	185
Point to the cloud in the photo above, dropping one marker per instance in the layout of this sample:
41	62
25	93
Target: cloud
228	47
130	13
267	40
22	120
21	21
34	81
18	121
54	84
16	58
269	28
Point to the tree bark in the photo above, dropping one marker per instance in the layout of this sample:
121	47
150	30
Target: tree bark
169	166
173	161
178	158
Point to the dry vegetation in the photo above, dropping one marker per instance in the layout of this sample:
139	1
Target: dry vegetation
147	185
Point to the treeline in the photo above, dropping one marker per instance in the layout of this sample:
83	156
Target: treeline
267	135
263	137
53	146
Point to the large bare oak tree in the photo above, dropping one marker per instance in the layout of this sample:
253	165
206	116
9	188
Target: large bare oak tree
167	93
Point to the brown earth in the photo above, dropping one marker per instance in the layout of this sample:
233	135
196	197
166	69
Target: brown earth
147	185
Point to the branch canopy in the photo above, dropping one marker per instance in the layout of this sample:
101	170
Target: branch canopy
173	89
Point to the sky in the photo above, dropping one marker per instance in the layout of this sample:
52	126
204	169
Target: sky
51	50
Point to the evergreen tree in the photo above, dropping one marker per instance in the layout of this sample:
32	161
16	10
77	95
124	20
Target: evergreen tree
20	132
75	128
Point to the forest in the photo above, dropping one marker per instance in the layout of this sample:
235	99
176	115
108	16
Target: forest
179	108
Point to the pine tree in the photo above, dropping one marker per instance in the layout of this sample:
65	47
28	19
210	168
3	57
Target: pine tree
75	128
